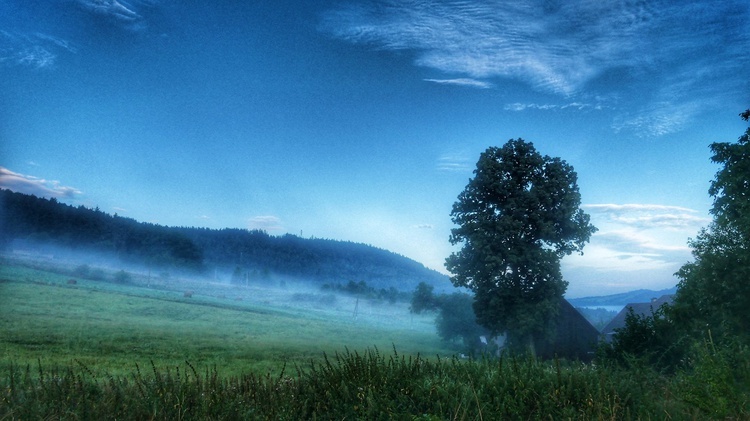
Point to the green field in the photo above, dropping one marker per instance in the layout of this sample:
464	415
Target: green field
109	327
101	350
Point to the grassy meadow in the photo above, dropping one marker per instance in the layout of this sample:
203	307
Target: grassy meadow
110	327
96	350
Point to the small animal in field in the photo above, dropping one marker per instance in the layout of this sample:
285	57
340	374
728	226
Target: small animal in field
72	282
188	294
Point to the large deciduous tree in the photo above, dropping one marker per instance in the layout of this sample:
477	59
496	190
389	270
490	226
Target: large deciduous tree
714	289
517	218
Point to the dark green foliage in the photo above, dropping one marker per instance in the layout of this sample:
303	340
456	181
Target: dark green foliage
455	318
714	292
362	290
653	340
37	220
516	219
347	386
320	260
598	317
122	277
718	381
423	299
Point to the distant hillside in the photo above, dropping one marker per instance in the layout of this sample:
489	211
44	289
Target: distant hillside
638	296
30	219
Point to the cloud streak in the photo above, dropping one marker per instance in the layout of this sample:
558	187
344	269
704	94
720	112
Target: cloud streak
679	56
453	162
639	237
517	106
648	215
37	50
28	184
472	83
116	13
109	8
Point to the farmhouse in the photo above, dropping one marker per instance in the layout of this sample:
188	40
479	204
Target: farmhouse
639	309
574	338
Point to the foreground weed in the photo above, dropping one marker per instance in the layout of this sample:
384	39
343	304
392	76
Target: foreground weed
347	385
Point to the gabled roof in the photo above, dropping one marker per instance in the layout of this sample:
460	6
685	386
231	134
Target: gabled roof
575	337
639	309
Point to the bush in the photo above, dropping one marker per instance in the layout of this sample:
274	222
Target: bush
655	341
717	382
122	277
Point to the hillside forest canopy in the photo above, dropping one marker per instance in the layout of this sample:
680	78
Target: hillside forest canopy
249	255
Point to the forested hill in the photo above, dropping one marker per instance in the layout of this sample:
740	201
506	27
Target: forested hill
32	220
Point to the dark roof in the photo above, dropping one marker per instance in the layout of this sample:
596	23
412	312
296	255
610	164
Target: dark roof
639	309
575	337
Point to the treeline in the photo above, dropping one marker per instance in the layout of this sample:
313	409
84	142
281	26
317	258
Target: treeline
321	260
38	220
361	289
47	221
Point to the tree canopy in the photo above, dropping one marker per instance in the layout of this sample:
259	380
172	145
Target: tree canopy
516	219
714	293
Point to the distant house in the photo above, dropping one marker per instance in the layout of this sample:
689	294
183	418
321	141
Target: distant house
639	309
574	338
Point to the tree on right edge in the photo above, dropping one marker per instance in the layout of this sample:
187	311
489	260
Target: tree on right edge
517	218
714	291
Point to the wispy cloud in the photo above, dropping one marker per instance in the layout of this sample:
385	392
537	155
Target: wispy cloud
639	237
648	215
455	162
32	50
675	56
28	184
517	106
109	8
267	223
657	119
424	226
119	13
473	83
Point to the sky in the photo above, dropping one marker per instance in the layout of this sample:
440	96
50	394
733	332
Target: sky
363	120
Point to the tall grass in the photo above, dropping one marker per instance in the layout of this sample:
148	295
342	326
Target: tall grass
349	385
104	351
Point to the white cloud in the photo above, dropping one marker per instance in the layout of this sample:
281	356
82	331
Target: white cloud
28	184
32	50
120	14
453	162
424	226
473	83
676	57
109	8
605	259
639	237
648	215
517	106
657	119
268	223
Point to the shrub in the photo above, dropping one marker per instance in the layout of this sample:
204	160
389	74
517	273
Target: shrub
122	277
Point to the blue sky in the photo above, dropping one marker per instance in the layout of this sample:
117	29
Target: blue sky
363	120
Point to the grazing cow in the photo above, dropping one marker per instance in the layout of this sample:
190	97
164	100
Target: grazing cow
72	282
188	294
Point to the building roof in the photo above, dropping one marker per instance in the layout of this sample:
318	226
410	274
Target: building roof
639	309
